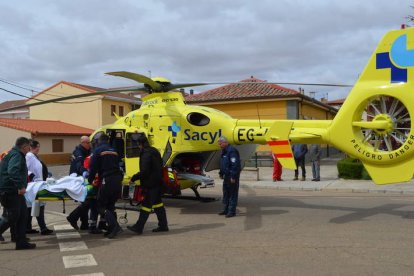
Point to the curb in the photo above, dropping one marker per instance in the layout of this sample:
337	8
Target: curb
323	189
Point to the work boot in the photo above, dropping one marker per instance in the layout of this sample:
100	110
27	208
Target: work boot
138	227
117	230
133	228
46	232
32	231
162	219
161	229
72	222
25	245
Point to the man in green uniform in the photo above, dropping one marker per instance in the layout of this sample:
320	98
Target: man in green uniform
13	183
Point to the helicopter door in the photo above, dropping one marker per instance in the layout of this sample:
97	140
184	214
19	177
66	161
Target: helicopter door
131	154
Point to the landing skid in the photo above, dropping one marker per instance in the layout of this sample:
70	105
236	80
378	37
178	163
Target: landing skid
196	197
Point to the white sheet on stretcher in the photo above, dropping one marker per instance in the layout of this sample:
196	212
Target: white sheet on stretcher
73	185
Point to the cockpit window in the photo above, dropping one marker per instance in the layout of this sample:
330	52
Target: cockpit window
198	119
132	149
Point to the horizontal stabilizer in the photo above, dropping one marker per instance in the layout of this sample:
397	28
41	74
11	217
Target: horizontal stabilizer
391	173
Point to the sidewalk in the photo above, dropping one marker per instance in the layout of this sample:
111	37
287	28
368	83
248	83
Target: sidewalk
329	181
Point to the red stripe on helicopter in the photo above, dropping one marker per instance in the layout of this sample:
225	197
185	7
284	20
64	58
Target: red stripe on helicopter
278	143
284	155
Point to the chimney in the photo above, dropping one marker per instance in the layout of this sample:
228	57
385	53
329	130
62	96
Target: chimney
312	94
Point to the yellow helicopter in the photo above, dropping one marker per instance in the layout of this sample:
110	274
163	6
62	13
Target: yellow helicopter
373	125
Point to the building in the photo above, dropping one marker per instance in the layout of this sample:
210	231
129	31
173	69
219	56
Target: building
256	99
89	112
336	103
22	113
57	139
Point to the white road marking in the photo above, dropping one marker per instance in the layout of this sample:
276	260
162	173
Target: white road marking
79	261
68	235
63	227
91	274
72	246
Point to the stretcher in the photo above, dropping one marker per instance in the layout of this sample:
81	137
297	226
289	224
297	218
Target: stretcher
68	187
46	195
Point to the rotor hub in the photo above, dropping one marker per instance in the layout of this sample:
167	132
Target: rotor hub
389	124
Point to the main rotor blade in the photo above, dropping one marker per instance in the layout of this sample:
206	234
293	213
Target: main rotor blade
103	92
137	77
183	85
281	83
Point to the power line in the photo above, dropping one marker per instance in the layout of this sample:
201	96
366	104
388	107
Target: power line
30	98
14	84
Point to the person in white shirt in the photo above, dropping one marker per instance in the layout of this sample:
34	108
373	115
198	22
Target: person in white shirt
37	171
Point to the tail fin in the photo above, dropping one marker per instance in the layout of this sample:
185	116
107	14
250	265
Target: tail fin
278	139
374	124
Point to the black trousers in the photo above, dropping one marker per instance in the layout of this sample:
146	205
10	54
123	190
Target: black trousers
81	212
108	194
16	208
152	201
300	162
40	219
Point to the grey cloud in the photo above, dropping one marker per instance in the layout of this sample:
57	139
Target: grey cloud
317	41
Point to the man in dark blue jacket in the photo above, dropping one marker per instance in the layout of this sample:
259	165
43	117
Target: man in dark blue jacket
230	173
105	163
76	166
13	184
299	152
150	175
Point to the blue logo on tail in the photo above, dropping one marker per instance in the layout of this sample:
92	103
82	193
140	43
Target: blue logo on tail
400	56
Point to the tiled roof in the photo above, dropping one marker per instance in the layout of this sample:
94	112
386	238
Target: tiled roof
336	102
9	104
243	90
47	127
88	88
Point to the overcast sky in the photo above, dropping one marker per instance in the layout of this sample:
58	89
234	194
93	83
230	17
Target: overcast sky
46	41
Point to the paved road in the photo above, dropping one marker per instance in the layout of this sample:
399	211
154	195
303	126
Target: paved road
275	232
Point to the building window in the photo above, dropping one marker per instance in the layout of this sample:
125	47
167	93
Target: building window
57	145
121	111
113	109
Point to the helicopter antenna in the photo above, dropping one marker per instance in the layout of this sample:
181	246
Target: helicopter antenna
258	115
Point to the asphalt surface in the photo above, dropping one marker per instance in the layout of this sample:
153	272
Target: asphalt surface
331	227
275	232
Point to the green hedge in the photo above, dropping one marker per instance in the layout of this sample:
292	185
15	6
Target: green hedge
351	168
